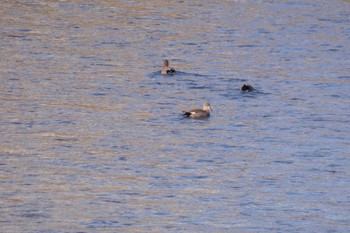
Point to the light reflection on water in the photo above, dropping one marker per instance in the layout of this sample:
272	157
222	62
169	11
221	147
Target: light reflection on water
92	135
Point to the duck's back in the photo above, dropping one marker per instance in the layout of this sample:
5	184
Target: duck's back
197	113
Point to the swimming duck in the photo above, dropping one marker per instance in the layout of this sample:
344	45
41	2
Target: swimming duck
166	69
199	113
247	88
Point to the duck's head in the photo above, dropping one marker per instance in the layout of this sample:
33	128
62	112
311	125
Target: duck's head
207	107
165	63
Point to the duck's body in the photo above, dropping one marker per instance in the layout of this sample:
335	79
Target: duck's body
166	69
199	113
246	88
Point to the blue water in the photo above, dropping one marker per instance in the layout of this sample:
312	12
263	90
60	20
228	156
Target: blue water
92	135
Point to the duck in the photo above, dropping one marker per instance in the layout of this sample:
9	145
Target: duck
199	113
246	88
166	69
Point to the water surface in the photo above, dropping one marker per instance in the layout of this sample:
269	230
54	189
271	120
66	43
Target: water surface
92	135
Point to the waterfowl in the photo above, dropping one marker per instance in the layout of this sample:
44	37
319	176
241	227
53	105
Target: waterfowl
247	88
166	69
199	113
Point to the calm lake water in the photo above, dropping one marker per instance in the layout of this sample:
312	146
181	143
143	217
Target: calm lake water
92	138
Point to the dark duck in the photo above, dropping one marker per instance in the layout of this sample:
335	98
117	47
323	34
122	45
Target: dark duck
246	88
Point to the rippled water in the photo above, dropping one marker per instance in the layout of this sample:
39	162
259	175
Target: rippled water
92	135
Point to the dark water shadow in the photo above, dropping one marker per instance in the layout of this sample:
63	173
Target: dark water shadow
183	119
157	74
254	92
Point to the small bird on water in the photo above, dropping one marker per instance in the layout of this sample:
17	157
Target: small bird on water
247	88
166	69
199	113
